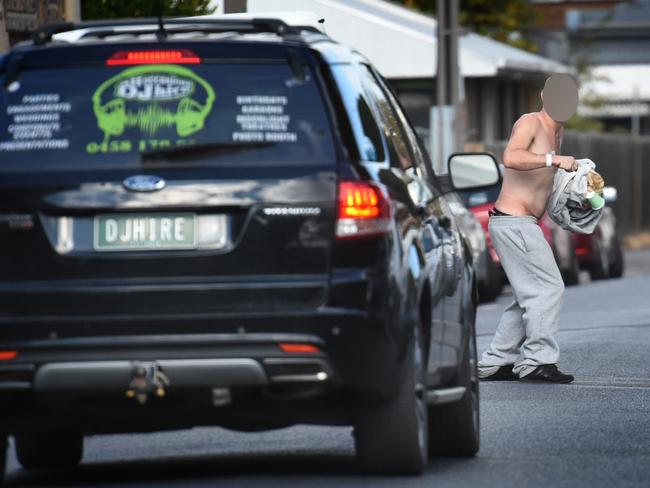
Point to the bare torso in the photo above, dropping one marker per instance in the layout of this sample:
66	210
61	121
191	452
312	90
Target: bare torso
527	192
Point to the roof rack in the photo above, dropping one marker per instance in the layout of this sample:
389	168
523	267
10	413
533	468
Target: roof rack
45	34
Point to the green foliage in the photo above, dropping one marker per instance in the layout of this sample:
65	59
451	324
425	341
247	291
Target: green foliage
619	129
588	98
585	75
503	20
122	9
584	124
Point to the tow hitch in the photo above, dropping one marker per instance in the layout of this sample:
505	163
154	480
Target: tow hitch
146	379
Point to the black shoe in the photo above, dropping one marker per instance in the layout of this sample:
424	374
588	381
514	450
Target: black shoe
504	373
548	373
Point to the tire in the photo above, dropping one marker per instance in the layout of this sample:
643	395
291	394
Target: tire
49	449
454	428
599	270
616	262
3	457
571	275
390	438
490	290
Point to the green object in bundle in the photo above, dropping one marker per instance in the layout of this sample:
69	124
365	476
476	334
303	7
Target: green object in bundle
595	200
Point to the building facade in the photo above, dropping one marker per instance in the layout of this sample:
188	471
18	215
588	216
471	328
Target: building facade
20	18
500	82
611	40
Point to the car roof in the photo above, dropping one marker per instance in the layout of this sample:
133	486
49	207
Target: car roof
298	18
299	27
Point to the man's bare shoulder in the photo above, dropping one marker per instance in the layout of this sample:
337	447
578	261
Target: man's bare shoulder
528	121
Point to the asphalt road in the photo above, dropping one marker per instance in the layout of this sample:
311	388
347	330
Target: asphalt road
592	433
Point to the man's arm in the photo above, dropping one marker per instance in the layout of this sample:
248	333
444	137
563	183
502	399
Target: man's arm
517	156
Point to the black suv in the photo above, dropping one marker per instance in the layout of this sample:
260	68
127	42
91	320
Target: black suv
224	222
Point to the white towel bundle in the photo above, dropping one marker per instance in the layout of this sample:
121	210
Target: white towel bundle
565	205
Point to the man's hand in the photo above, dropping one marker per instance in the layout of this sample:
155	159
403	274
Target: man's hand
567	163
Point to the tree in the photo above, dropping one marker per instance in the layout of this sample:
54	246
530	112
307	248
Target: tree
117	9
503	20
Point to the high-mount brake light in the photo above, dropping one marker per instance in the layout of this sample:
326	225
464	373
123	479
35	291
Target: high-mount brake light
178	56
298	348
363	210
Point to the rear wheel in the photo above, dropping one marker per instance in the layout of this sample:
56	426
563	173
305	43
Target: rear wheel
490	289
49	449
3	456
616	264
390	438
599	270
571	274
454	428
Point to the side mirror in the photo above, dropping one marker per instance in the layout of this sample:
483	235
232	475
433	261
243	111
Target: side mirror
473	171
610	194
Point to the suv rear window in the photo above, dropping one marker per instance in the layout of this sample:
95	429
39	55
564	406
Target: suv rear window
104	117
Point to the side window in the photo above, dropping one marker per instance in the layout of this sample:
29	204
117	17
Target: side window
420	156
400	155
366	132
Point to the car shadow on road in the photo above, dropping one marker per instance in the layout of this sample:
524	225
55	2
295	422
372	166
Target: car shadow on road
173	470
197	470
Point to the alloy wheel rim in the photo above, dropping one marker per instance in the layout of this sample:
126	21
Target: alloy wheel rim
473	383
420	393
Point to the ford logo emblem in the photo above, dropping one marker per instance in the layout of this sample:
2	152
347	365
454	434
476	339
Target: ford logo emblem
144	183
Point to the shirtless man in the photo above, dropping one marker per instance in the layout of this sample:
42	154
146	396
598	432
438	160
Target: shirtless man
524	346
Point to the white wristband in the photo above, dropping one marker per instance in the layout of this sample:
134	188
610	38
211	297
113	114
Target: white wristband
549	159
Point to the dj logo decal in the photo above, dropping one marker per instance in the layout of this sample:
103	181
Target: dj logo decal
153	97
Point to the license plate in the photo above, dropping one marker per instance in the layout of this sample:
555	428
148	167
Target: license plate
145	232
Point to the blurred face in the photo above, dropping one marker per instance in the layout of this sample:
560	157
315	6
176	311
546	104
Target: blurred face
560	97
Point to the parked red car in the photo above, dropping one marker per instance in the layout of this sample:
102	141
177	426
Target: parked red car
601	253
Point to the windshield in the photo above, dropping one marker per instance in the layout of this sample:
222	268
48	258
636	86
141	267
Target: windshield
105	117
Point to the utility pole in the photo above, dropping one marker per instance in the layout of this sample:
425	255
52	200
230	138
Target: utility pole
447	131
636	112
72	10
234	6
638	190
4	37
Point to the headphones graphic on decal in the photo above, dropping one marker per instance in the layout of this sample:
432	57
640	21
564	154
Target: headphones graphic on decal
153	97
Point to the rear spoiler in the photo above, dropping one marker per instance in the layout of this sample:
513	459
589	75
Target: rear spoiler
45	34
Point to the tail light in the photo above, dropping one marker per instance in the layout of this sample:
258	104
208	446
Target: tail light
363	210
126	58
8	355
583	244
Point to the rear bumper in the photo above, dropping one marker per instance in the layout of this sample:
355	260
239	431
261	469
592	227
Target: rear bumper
356	352
85	382
238	381
210	360
84	362
181	373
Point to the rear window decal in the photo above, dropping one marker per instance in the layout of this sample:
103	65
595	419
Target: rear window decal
140	102
97	117
262	119
35	123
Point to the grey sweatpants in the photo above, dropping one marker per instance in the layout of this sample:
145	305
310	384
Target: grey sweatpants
525	334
